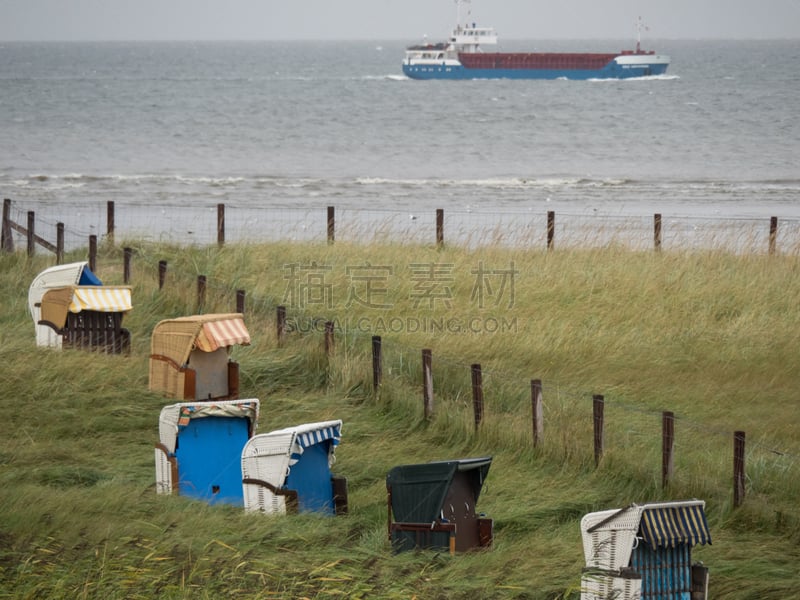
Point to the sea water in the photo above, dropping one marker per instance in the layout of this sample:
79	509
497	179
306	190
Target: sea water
279	131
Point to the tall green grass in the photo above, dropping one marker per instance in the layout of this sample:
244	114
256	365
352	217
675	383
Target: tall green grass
713	337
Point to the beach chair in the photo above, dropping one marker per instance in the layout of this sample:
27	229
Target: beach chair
190	356
71	308
643	552
289	471
433	505
87	317
200	447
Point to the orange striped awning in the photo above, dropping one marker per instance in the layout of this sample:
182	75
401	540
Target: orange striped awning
222	333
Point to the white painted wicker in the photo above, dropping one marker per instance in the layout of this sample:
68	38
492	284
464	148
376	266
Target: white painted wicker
266	457
164	481
605	586
609	546
53	277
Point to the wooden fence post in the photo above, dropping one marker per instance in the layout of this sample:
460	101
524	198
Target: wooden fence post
773	234
657	232
93	253
127	253
331	224
201	292
667	445
537	412
110	221
427	383
7	242
377	362
220	225
597	412
738	468
439	227
477	394
551	228
162	273
31	233
280	323
329	338
59	243
240	301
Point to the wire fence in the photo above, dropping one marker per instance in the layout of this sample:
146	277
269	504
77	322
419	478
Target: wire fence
203	225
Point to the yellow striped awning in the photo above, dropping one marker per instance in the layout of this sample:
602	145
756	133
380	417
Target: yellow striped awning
101	298
222	333
57	302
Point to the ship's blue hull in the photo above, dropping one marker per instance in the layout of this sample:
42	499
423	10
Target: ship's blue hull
613	70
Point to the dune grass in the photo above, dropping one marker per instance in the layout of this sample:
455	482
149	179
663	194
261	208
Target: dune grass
711	336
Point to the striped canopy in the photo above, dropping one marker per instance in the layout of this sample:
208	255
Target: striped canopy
57	302
176	338
222	333
667	526
294	440
101	298
315	433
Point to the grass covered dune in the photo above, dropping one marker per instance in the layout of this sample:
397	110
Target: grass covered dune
712	337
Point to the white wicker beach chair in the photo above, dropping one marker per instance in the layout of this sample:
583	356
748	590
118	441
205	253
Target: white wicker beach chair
611	539
267	460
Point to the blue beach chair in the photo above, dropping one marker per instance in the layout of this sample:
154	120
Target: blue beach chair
200	446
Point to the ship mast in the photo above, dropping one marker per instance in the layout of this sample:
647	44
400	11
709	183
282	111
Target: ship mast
639	36
459	4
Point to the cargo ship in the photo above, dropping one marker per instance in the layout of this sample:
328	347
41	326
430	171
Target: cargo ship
463	56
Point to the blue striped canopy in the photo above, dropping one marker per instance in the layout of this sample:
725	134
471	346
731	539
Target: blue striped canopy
311	437
668	526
